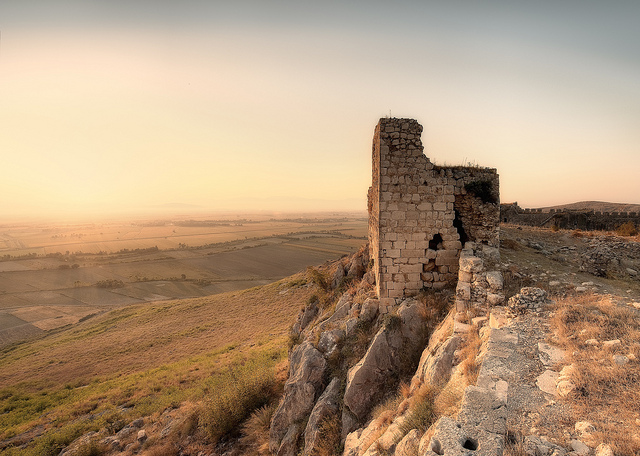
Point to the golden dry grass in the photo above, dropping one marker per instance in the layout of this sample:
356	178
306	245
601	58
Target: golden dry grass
607	393
145	356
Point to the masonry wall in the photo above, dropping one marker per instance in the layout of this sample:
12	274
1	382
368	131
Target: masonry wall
420	214
567	219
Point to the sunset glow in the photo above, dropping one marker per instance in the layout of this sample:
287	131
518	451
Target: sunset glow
107	107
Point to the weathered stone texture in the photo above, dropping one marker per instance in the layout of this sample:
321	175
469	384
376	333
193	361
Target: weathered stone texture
420	215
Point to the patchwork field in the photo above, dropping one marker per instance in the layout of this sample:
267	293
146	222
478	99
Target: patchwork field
55	275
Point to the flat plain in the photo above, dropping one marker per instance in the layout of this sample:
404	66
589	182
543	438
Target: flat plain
54	274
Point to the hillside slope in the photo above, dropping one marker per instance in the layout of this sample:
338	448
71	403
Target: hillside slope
136	361
597	206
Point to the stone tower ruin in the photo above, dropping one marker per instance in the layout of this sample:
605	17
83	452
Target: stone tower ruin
421	215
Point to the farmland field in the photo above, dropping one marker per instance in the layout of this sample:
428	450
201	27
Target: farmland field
53	275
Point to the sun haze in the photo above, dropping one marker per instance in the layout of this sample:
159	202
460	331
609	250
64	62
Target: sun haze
127	107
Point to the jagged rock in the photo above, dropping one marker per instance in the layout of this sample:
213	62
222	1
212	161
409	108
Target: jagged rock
365	378
337	276
358	265
471	264
394	344
111	443
349	423
305	317
495	280
435	368
409	444
597	259
342	310
76	446
412	320
329	341
536	445
327	407
306	371
354	442
368	310
289	445
580	447
350	325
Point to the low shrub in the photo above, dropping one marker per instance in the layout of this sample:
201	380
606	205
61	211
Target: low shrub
627	229
235	396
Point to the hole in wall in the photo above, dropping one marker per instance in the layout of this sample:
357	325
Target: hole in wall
436	242
470	444
436	447
457	223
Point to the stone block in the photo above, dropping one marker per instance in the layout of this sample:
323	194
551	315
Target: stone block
471	264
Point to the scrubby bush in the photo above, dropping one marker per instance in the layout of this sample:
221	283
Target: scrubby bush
627	229
236	396
483	190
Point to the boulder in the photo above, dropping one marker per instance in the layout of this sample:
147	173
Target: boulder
435	368
305	317
337	277
369	310
408	446
329	341
289	445
342	311
327	407
366	377
495	280
307	367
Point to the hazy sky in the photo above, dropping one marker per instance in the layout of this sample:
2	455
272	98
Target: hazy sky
124	105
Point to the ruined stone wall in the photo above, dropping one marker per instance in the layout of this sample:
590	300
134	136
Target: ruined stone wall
420	213
567	219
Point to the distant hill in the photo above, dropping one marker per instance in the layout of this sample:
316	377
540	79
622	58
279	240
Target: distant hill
598	206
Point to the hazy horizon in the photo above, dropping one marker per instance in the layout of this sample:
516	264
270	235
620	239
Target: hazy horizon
112	106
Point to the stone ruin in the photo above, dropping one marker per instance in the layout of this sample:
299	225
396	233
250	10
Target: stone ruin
421	215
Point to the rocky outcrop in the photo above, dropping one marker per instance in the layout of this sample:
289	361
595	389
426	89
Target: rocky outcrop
327	408
394	344
306	373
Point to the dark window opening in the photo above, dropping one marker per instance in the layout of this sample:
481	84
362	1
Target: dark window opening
457	222
436	242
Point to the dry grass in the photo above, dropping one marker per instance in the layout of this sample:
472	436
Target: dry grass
607	394
469	366
148	357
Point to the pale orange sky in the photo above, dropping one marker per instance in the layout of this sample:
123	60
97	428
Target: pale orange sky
105	106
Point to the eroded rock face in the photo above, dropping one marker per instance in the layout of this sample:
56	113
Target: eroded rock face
394	344
435	368
364	379
306	371
327	408
305	317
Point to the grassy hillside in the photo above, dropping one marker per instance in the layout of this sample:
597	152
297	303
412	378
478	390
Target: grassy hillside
138	360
